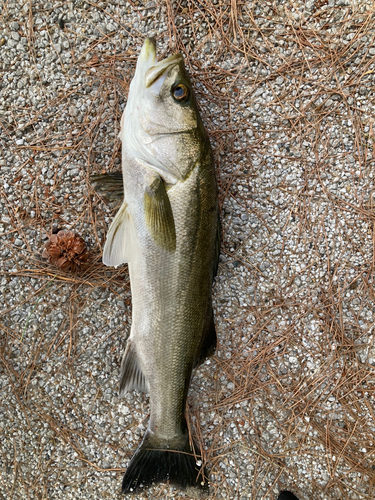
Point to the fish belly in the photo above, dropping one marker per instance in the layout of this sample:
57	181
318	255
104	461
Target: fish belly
171	296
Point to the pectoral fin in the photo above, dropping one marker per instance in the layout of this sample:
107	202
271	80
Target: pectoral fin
159	215
121	245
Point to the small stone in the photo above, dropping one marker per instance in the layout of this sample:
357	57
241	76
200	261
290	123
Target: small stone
297	281
351	159
102	28
73	111
110	27
207	48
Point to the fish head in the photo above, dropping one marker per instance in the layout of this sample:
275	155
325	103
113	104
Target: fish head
169	103
161	113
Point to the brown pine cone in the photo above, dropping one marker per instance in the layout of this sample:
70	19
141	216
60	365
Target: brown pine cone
66	250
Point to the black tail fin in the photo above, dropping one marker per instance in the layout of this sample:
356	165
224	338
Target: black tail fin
287	495
155	462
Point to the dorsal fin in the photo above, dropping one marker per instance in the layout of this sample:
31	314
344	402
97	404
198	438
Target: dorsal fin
209	338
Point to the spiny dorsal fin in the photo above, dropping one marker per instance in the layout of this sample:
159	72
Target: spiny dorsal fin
121	244
159	215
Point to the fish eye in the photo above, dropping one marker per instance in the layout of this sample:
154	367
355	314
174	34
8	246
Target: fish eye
180	92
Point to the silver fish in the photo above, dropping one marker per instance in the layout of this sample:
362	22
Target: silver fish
167	230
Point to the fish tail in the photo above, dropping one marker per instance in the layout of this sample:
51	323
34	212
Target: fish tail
158	461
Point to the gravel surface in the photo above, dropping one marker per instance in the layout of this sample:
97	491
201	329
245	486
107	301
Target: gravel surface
286	91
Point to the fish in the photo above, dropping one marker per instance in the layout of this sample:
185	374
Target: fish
167	230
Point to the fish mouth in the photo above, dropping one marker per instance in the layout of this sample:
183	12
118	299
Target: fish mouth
161	68
148	52
148	67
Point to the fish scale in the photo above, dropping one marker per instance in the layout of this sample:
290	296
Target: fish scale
167	231
174	321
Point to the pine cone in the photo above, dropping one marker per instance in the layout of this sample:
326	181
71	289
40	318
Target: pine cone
66	250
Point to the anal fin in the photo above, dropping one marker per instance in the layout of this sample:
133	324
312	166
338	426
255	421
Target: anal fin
131	375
